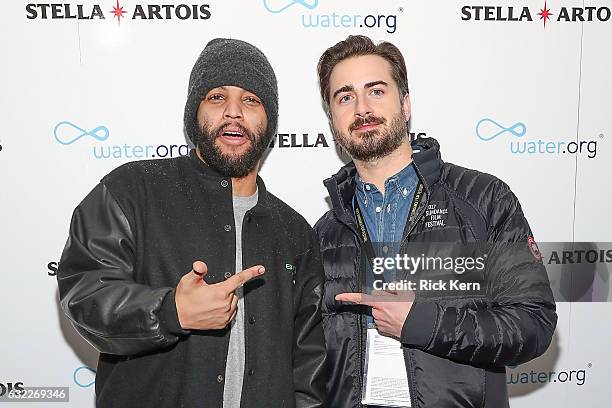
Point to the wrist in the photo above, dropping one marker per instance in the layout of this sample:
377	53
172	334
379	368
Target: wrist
171	316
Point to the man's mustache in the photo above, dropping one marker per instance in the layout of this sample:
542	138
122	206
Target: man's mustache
218	132
368	120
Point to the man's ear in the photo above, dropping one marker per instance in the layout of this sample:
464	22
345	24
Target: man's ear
406	106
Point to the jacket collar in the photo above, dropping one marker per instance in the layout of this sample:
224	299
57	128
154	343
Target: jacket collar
427	163
263	203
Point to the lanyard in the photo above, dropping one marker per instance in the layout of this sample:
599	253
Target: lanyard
363	233
363	230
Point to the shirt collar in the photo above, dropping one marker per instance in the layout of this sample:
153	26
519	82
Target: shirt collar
404	181
428	165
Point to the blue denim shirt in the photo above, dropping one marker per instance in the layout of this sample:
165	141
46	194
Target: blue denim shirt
385	214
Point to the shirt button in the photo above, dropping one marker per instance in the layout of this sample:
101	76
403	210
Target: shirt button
252	319
405	192
224	183
367	186
251	372
378	209
385	249
228	228
219	378
227	275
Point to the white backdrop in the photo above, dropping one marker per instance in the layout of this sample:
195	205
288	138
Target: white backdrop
122	82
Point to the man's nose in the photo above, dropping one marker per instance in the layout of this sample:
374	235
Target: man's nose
233	109
362	108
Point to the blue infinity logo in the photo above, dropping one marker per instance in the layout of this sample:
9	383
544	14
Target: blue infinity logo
288	3
87	370
518	129
67	133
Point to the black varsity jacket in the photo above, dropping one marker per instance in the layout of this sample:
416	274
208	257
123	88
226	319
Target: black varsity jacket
131	240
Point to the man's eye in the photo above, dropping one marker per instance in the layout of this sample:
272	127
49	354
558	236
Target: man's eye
377	92
345	98
252	100
215	97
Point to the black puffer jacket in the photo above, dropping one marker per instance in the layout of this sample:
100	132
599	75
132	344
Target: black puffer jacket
455	348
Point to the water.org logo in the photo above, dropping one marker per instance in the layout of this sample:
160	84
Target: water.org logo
488	129
307	18
576	377
67	133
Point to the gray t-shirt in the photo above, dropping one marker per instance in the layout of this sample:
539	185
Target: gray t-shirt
234	369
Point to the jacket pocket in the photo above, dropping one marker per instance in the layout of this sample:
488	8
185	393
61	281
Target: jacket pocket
443	383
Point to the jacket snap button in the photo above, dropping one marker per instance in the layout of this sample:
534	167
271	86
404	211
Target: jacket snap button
228	228
227	275
251	372
252	320
219	378
224	183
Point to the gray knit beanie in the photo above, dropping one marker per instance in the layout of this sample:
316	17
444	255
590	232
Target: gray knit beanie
231	62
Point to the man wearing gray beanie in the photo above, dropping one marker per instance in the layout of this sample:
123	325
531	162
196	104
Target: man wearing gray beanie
226	333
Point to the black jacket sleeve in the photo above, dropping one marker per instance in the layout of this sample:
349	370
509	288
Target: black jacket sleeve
96	284
516	324
309	365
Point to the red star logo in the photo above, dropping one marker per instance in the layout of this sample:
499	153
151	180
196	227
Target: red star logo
545	14
118	12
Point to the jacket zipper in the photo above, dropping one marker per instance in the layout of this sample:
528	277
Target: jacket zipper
360	335
360	329
361	326
409	369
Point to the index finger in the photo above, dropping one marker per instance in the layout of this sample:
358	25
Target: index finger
358	298
239	279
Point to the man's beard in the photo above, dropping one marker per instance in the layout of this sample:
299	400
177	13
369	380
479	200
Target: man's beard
374	144
231	164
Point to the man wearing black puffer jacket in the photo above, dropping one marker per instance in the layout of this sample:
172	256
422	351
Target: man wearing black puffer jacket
455	347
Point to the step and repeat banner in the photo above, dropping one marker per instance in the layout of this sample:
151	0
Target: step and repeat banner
519	89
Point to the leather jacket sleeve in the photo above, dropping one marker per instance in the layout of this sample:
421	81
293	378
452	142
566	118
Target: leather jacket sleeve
516	324
96	283
309	364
